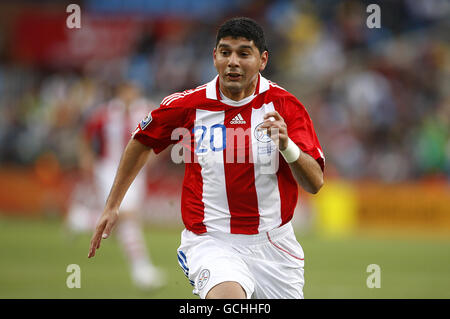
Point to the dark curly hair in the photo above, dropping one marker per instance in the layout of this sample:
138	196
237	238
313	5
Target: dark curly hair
243	27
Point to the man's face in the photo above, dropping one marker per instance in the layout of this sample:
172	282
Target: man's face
238	62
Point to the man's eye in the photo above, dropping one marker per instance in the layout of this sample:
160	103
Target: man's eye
225	52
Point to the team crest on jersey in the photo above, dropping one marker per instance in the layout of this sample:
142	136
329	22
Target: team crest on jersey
145	122
265	144
203	279
261	135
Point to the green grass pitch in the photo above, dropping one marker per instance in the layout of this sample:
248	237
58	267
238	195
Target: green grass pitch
35	255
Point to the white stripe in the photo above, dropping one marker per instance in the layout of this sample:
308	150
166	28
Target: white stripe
201	87
177	94
276	85
174	98
321	154
169	97
211	89
268	194
263	84
217	214
181	95
185	94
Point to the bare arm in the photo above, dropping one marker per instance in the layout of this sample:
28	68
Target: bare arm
133	159
305	169
308	173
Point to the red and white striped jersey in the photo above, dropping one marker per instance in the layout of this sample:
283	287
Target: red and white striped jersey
230	183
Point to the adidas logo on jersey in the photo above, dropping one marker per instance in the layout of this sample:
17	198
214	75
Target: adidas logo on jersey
238	119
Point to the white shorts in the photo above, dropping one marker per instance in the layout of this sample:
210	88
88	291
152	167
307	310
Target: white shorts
267	265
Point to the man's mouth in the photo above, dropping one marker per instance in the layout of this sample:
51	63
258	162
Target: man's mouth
233	76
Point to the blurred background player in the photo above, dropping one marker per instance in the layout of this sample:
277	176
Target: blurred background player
106	132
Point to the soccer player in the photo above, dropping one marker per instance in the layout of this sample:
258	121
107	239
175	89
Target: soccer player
247	143
106	133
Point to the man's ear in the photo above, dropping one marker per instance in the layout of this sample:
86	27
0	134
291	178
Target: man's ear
264	60
214	56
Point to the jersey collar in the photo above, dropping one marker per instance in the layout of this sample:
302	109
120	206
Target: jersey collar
213	93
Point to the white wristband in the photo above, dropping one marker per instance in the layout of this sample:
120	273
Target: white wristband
292	152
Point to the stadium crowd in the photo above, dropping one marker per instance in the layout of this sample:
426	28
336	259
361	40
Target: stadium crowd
379	98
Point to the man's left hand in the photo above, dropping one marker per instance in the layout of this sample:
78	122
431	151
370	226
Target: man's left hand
276	129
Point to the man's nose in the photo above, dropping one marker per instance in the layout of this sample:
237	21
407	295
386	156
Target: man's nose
233	60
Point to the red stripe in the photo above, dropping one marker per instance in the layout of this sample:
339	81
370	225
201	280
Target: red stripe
240	180
284	250
192	206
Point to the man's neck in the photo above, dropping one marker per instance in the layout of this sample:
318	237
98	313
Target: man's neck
239	95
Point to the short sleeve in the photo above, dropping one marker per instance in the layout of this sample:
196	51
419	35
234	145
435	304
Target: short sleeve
301	130
156	129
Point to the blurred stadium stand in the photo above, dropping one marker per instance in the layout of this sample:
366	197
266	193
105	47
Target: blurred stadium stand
379	98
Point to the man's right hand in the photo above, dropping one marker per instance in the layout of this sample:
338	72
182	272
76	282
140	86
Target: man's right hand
133	159
104	227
